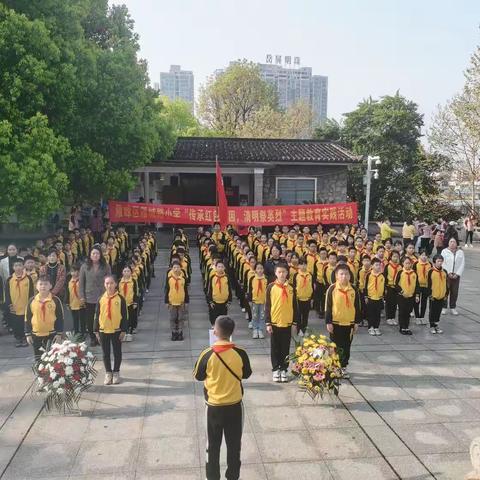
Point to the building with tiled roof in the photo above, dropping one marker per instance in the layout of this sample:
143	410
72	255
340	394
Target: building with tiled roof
255	171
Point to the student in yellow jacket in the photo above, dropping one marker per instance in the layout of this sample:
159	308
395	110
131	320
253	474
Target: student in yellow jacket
303	287
422	267
18	291
219	292
407	294
74	302
222	367
43	318
128	288
342	313
437	291
176	297
281	320
374	291
110	326
257	294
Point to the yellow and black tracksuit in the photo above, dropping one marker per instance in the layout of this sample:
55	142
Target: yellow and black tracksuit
76	307
219	295
422	269
303	287
374	291
354	267
320	286
312	260
111	319
391	271
129	291
43	320
222	367
407	291
343	311
18	291
176	297
220	240
438	292
281	314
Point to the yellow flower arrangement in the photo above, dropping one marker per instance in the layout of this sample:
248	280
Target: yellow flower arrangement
316	364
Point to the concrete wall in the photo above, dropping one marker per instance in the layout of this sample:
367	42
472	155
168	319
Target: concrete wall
331	181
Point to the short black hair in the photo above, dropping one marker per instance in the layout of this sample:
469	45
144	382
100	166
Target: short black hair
281	265
437	257
342	266
225	325
375	260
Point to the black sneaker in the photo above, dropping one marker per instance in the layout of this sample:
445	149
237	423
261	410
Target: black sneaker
408	332
403	331
180	336
18	344
174	336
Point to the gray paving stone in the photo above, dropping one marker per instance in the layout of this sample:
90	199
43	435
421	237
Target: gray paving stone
106	457
335	443
277	446
167	452
409	467
298	470
448	466
371	468
169	422
268	419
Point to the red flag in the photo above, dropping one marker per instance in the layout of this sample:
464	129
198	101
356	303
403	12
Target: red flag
222	204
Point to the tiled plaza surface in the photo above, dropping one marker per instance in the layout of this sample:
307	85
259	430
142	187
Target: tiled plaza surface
409	412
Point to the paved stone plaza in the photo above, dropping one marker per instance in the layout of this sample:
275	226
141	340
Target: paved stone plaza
410	411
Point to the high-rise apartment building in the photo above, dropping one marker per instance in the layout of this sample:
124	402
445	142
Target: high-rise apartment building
178	83
298	84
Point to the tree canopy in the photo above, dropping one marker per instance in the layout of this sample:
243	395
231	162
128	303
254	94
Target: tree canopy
75	105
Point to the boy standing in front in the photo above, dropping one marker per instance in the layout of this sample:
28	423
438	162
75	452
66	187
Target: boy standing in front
374	291
43	318
437	291
303	288
222	367
342	314
281	320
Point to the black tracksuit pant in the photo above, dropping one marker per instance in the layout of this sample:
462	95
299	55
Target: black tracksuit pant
343	335
112	340
391	302
280	347
39	345
435	311
217	310
79	320
374	311
421	307
224	420
405	306
303	312
89	319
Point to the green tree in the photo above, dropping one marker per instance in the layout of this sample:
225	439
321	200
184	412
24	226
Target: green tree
76	63
390	128
179	117
232	99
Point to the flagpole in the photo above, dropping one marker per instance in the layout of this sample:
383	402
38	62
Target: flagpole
216	189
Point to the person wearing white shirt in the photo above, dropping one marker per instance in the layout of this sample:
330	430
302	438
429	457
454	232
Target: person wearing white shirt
454	264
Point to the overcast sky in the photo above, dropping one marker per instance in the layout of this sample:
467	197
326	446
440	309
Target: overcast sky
365	47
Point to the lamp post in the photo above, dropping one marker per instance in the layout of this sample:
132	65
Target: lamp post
368	180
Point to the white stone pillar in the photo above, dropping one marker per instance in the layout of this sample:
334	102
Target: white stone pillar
258	186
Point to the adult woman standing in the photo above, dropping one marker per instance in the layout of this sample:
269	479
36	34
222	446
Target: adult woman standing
469	224
454	264
92	279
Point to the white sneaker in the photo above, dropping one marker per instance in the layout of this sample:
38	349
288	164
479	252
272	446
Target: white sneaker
300	334
255	334
276	376
115	378
395	321
371	331
444	311
390	321
243	310
283	376
250	325
412	314
377	332
418	321
108	379
424	321
453	311
345	374
128	337
439	330
261	334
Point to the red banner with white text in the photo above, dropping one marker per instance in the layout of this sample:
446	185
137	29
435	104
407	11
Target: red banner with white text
335	213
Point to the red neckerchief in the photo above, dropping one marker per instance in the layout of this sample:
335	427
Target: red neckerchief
43	307
177	282
284	291
223	347
440	272
74	286
304	277
125	289
376	280
219	282
424	267
395	267
18	280
109	305
345	294
408	273
259	285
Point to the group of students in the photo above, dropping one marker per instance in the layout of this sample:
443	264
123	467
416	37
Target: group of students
347	278
103	285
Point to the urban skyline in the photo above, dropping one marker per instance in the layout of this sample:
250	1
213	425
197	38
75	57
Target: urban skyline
178	84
